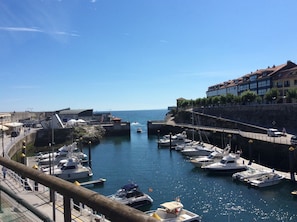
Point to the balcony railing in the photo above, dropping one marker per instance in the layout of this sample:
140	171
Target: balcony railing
112	210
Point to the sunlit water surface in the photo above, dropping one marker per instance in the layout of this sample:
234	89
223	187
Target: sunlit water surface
165	175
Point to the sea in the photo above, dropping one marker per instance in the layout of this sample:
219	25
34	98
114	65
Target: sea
166	175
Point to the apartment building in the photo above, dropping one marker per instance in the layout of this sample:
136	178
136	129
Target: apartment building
260	81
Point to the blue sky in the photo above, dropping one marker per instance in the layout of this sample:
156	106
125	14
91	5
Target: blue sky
134	54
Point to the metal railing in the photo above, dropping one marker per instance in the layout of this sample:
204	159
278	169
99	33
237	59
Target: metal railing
112	210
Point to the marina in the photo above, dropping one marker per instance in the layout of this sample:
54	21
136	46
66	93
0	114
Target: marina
166	174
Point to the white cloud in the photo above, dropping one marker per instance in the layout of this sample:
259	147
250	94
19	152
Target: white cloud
25	29
66	33
20	29
163	41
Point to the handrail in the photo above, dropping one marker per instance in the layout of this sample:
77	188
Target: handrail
113	210
24	203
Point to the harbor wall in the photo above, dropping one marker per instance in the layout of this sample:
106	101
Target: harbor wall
266	153
264	115
30	138
117	129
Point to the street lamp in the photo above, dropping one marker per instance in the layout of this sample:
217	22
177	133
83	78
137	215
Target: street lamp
250	151
230	137
2	135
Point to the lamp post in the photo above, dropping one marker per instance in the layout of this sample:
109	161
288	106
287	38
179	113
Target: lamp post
52	192
250	151
90	153
158	131
229	136
291	162
2	135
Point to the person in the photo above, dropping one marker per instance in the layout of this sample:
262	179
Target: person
4	170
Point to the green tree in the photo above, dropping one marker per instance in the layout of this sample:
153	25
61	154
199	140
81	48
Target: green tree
215	100
272	95
230	98
222	99
291	95
248	97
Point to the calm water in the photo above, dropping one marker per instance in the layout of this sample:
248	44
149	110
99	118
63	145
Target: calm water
216	198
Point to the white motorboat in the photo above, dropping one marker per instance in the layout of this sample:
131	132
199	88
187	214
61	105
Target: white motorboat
63	155
69	169
173	140
130	195
266	180
188	145
248	174
174	211
66	151
294	193
200	149
229	163
213	157
139	130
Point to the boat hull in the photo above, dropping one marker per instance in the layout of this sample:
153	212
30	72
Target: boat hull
74	176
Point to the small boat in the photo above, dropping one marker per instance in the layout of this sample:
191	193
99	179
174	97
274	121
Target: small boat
229	164
213	157
55	159
139	130
173	211
266	180
130	195
173	140
294	193
69	169
248	174
200	149
63	152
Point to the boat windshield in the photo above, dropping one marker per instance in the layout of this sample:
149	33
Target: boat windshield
120	193
210	156
223	161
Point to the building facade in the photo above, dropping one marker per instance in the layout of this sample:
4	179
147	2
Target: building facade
282	77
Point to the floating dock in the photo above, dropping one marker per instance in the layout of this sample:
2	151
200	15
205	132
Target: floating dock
93	182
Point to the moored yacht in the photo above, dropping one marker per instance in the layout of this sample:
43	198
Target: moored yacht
266	180
130	195
174	211
229	164
69	169
248	174
173	140
213	157
200	149
64	152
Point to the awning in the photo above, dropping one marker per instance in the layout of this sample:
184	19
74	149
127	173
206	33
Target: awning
4	128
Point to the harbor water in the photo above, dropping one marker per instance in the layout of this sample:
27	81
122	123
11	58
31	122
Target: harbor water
166	175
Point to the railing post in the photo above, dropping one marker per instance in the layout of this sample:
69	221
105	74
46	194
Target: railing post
67	209
291	162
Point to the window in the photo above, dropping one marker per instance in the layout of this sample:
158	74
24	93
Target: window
279	84
287	83
253	78
253	86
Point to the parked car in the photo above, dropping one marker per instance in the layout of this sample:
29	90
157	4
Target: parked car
293	140
274	132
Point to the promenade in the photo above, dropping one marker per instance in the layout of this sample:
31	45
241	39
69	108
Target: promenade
12	210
